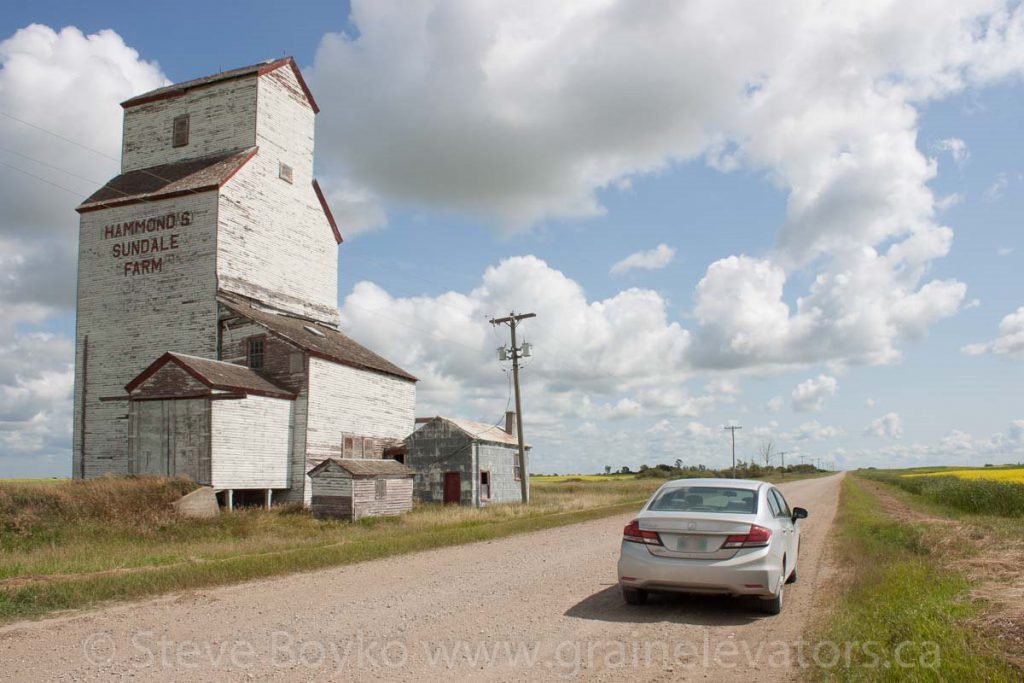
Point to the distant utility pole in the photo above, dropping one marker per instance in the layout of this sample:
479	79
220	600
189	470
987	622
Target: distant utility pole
782	457
733	428
518	352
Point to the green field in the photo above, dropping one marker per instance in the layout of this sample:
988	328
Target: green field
67	544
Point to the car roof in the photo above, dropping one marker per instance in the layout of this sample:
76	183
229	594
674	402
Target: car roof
750	484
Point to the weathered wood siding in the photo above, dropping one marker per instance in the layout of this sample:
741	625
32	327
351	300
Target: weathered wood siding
276	244
222	117
345	400
170	381
285	365
397	500
335	493
332	493
438	447
132	319
170	438
251	443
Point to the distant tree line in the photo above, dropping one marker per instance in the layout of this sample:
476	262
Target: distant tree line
744	470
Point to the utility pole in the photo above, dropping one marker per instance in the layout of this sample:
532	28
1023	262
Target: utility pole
518	352
782	457
733	428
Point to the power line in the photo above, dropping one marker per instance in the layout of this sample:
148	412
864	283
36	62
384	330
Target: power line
58	135
42	179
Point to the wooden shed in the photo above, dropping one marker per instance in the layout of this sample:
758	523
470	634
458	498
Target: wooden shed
346	488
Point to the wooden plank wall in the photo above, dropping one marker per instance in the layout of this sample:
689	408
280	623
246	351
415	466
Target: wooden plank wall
222	117
251	443
131	320
276	244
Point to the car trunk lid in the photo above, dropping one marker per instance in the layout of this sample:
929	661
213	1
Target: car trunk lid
695	536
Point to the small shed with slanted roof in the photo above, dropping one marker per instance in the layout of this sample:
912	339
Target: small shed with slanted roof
465	462
351	489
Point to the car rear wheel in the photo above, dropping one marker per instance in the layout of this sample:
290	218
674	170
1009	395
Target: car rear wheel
773	605
634	596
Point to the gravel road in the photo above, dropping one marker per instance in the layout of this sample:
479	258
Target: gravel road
542	605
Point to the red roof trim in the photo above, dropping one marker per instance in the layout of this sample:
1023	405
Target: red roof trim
185	87
255	72
115	203
274	66
156	365
241	164
327	212
143	198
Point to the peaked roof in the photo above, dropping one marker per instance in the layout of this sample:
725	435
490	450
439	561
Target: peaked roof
215	374
244	72
480	431
368	467
315	338
169	180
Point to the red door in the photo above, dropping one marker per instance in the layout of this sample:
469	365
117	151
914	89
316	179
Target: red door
452	487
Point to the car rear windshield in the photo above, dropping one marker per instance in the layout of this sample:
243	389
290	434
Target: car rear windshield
706	499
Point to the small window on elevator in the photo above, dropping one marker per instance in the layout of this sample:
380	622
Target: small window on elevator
255	352
180	131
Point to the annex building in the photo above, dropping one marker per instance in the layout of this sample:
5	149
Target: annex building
207	329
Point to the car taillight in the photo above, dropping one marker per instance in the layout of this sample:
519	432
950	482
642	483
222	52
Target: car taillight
633	533
757	537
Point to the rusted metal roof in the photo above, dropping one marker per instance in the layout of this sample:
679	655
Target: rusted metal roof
315	338
369	467
168	180
215	374
479	431
243	72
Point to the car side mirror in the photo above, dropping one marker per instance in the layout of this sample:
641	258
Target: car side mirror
799	513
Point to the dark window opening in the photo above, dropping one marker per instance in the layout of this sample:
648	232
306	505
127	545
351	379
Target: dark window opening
255	352
517	471
485	485
180	131
348	447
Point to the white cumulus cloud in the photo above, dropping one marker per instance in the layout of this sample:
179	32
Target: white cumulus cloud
1009	340
810	395
653	259
889	426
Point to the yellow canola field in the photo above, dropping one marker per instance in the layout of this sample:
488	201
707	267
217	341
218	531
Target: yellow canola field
1013	475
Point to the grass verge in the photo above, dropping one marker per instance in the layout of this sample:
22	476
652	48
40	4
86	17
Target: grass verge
77	544
903	615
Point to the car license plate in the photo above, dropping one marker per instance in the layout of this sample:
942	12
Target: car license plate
691	544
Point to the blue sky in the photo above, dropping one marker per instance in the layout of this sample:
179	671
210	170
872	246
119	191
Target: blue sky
461	137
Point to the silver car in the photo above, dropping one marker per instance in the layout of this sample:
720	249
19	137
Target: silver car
717	536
